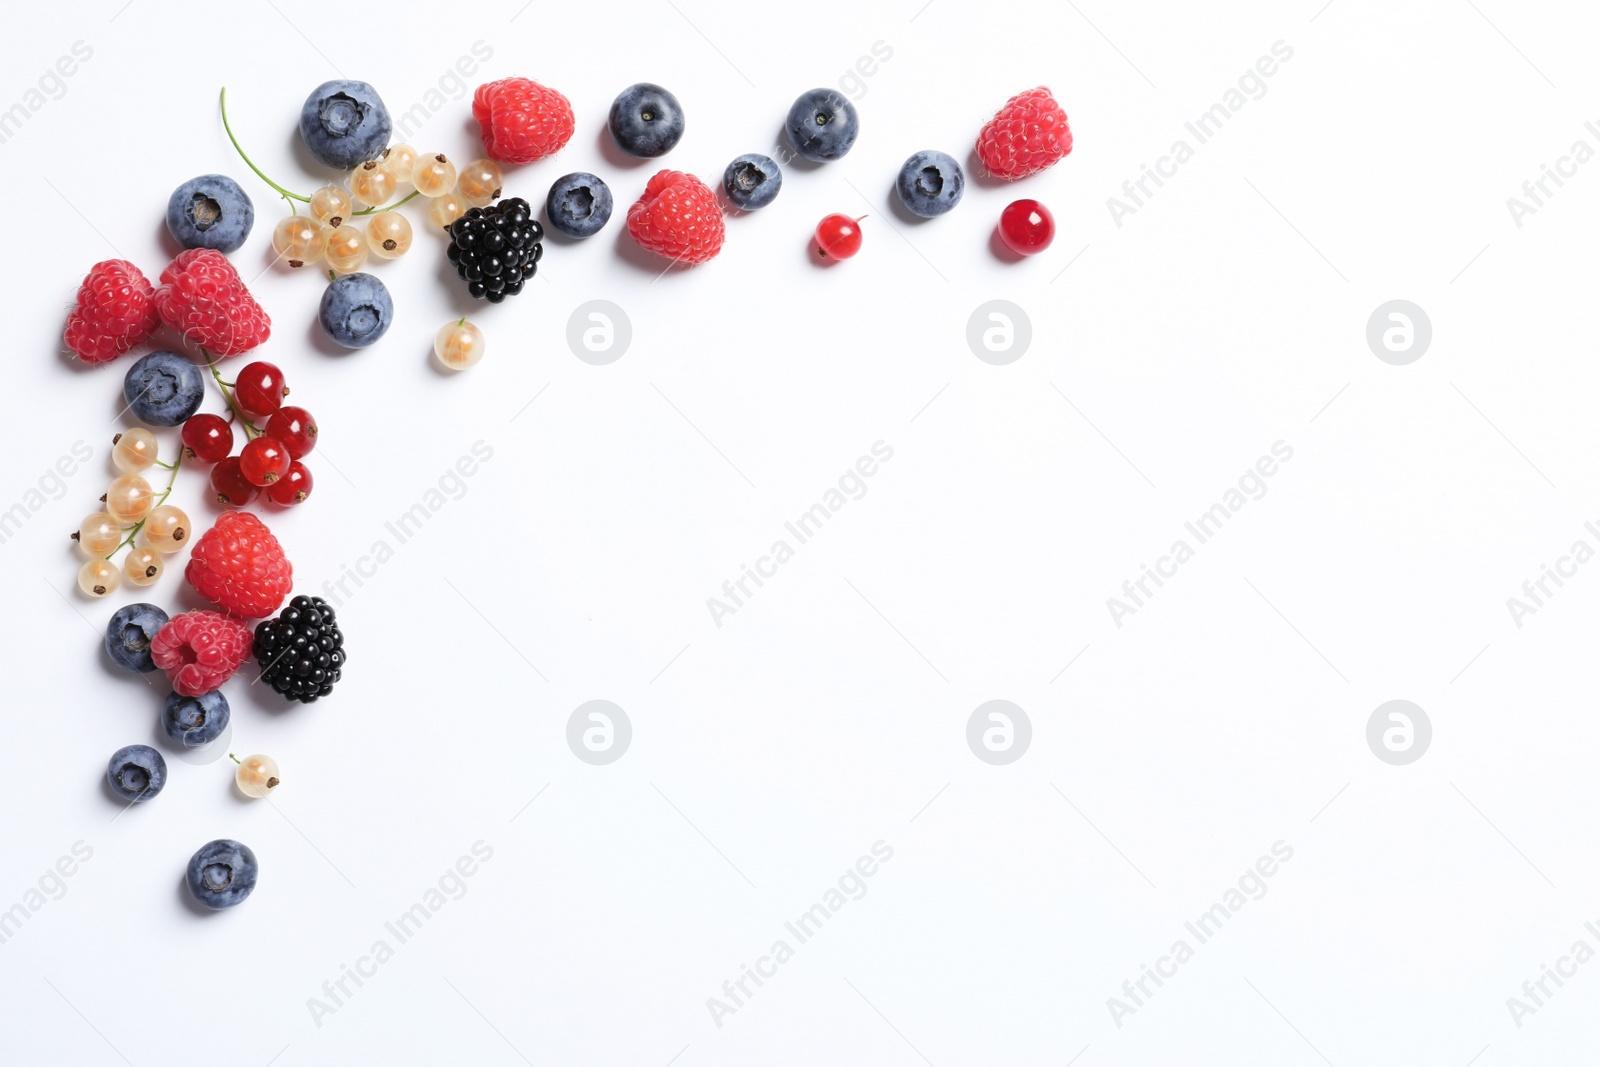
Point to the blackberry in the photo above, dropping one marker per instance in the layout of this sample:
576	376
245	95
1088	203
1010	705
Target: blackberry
496	249
301	652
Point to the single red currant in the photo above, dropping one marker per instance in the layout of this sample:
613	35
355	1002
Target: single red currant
838	236
263	461
229	483
260	389
207	438
295	428
1027	227
292	488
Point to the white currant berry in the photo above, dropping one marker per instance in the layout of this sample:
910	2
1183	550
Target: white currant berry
402	159
143	566
347	250
99	577
443	210
459	345
373	183
129	499
134	451
434	174
98	534
257	776
331	205
389	234
300	240
479	182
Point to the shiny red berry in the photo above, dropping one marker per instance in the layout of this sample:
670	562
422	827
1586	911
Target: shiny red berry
207	438
292	488
264	461
1027	227
295	428
229	483
838	237
260	389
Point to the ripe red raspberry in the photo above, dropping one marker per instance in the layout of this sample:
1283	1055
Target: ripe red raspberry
678	217
200	650
1027	135
239	566
203	298
522	120
114	312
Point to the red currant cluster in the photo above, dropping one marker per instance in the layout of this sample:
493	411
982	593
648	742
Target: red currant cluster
277	436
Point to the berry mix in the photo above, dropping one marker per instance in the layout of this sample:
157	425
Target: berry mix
205	311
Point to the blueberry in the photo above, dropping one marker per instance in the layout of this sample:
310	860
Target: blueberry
752	181
210	211
129	633
356	310
136	772
195	721
930	184
345	123
823	125
222	873
646	120
579	205
163	389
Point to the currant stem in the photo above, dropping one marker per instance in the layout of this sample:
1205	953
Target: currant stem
133	531
281	190
234	758
250	430
412	195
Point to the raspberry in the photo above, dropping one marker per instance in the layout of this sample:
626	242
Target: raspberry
678	217
522	120
239	566
1027	135
200	650
114	312
203	298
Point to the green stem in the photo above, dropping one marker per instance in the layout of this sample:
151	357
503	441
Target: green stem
133	531
250	430
281	190
412	195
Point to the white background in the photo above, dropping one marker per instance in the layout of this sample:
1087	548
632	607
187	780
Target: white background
829	713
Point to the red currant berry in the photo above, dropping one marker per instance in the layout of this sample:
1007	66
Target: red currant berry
295	428
207	438
1026	227
838	237
229	483
259	389
292	488
263	461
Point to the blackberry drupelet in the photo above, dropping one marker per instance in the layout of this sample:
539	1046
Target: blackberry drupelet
496	249
301	652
